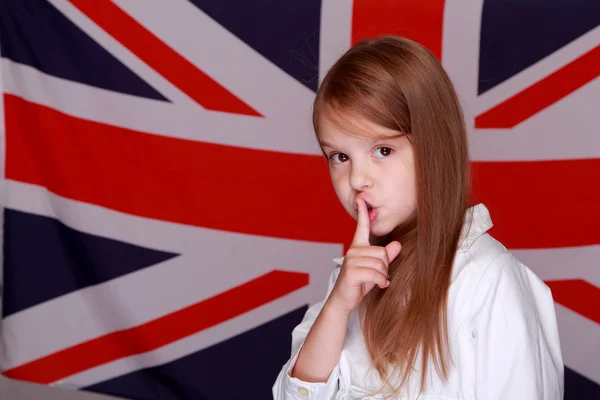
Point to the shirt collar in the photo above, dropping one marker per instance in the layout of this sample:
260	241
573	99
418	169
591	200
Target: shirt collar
477	221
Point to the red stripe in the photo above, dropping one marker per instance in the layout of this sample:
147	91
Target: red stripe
578	295
202	184
543	93
418	20
170	64
533	204
161	331
541	204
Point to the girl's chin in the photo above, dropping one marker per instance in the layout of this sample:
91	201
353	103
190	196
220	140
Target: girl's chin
380	231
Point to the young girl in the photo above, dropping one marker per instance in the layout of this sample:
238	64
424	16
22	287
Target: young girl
425	303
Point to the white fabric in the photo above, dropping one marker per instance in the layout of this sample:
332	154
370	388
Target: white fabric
502	325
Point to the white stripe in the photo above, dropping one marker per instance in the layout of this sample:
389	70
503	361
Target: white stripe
563	263
150	293
460	50
123	54
336	33
568	129
156	117
225	58
538	71
99	221
192	343
580	343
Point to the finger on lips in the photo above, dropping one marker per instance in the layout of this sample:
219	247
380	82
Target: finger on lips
361	237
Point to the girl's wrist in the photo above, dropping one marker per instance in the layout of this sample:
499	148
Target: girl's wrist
332	307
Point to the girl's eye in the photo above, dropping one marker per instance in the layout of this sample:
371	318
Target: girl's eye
338	158
382	152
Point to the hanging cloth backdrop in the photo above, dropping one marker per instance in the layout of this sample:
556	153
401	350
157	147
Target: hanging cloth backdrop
167	216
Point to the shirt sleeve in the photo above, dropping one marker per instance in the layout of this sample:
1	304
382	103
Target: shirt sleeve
513	334
288	388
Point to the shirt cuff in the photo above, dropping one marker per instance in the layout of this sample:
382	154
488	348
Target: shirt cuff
295	389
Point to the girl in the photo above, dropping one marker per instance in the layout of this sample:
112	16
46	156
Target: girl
425	303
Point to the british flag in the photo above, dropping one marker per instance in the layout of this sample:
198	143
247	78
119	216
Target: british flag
167	216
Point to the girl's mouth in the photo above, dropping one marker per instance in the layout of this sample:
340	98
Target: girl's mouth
373	212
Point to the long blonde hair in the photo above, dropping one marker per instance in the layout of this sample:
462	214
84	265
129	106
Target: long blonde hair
399	84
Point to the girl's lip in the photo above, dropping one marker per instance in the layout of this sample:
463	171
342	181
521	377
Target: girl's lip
373	214
367	201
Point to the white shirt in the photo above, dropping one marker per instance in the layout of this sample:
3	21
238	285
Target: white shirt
502	328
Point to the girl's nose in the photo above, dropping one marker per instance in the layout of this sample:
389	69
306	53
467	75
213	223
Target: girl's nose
360	179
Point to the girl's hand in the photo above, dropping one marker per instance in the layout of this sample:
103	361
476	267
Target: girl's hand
364	266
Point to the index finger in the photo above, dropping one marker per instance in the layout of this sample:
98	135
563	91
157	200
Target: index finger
363	226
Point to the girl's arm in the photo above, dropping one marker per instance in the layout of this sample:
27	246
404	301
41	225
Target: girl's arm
312	372
287	387
323	345
364	267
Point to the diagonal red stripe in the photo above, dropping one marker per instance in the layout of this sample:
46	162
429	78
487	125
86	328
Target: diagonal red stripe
419	20
161	331
166	61
533	204
543	93
578	295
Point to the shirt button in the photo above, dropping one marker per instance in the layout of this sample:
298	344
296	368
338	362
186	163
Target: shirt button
302	391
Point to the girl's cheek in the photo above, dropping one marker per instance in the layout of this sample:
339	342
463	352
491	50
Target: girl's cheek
335	175
338	180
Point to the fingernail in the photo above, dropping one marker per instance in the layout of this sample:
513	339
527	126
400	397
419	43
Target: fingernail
388	283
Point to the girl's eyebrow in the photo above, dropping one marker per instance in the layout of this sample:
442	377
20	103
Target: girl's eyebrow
378	139
325	144
388	137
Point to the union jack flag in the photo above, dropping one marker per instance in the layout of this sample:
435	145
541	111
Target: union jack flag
168	217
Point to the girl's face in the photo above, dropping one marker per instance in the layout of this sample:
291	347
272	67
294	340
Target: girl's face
377	166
